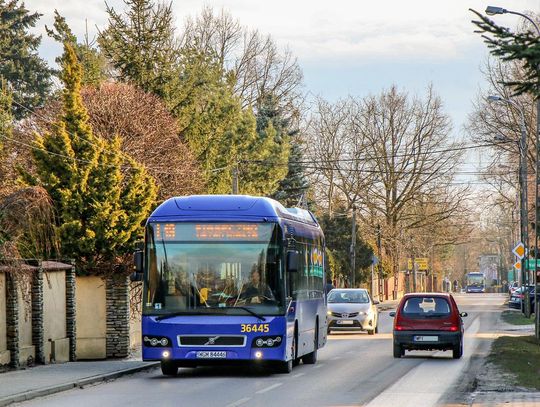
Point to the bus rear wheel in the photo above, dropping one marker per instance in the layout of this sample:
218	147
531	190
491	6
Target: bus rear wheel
168	368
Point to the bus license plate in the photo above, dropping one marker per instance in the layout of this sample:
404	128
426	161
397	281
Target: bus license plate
211	355
426	338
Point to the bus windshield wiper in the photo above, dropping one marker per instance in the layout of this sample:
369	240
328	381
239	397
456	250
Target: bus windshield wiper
171	315
245	309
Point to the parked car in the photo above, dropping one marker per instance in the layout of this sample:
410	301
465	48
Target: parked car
352	308
512	287
428	321
516	299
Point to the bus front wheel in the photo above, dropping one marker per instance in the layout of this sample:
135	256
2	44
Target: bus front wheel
285	367
169	368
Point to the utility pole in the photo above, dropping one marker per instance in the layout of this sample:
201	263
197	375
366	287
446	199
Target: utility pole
235	180
525	213
353	245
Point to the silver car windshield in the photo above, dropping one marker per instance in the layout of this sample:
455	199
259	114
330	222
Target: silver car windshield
348	296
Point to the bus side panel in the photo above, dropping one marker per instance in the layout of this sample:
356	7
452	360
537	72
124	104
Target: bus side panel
308	312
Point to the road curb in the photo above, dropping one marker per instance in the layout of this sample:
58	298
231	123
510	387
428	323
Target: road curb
46	391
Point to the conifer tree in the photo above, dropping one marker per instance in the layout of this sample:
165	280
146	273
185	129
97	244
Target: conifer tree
221	134
94	64
141	46
20	65
6	130
100	206
293	183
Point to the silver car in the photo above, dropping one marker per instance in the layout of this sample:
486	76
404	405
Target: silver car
352	308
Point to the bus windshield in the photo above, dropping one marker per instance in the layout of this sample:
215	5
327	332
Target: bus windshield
475	280
213	268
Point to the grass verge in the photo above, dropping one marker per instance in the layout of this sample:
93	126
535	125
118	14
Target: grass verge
516	318
519	356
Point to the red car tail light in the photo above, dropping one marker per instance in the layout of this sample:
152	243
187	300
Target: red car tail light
452	328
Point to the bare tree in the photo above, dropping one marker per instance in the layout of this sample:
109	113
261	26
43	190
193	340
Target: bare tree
148	131
257	65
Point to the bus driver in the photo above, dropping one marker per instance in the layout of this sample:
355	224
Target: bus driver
256	292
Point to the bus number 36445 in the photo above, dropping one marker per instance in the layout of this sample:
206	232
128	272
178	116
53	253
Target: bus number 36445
254	328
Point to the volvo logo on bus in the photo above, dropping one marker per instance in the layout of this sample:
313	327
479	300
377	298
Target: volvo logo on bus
212	341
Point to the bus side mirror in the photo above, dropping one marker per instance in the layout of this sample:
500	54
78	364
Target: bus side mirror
137	266
293	261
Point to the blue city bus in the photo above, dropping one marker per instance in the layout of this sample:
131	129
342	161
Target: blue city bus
230	279
476	282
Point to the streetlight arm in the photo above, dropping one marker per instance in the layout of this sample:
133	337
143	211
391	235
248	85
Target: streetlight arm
526	17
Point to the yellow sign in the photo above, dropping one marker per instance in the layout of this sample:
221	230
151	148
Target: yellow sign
519	250
517	265
422	263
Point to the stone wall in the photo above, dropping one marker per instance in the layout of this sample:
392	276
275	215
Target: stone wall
4	351
37	314
71	313
12	319
118	316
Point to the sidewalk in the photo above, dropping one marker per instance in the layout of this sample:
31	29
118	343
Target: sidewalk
494	389
39	381
388	305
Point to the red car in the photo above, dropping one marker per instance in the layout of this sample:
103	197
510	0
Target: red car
428	321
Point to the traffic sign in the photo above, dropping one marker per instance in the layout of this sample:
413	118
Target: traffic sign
519	250
517	265
422	263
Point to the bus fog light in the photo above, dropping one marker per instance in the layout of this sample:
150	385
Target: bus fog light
258	354
166	354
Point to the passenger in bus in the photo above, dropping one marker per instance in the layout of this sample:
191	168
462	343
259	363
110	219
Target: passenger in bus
256	292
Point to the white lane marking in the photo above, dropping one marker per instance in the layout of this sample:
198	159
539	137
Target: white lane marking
239	402
272	387
319	366
299	374
427	382
336	358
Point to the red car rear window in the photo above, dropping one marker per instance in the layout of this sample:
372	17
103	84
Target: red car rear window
426	307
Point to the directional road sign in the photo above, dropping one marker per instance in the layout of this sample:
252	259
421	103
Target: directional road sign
519	250
421	263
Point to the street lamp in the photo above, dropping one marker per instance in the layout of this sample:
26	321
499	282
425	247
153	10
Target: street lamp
523	192
494	10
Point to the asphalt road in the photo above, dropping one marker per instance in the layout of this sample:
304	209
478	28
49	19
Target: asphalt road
354	369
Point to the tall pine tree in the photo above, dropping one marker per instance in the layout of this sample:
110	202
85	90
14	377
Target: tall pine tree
93	62
20	65
142	47
100	206
293	183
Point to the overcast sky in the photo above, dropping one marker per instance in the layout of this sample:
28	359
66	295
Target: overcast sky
347	47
